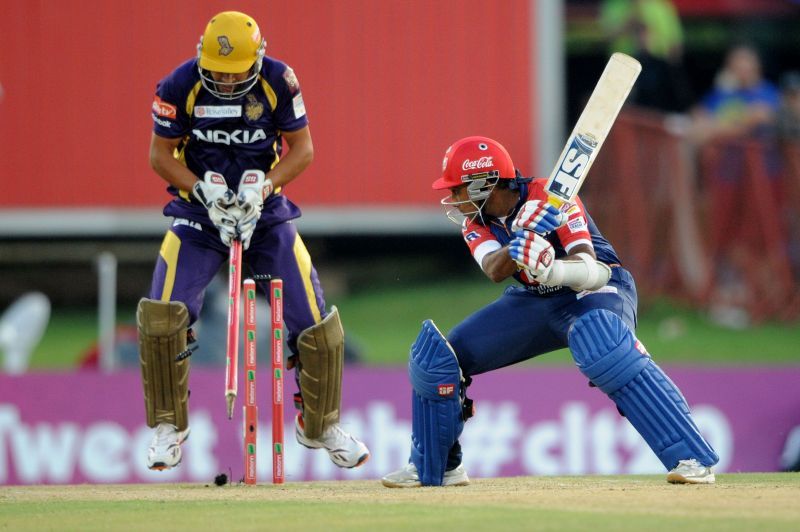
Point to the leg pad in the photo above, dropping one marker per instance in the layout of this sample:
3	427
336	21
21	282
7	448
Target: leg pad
321	355
437	419
162	336
609	355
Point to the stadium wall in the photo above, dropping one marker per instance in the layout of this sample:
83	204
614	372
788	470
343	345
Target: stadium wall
388	86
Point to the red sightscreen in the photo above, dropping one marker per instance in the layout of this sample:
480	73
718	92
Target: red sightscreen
388	86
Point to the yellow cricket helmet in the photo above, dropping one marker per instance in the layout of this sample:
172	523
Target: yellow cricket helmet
231	44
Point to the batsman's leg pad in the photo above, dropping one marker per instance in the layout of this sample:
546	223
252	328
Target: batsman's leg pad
321	355
436	418
162	336
609	355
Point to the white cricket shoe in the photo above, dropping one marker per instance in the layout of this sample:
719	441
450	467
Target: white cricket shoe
165	448
691	472
408	477
343	449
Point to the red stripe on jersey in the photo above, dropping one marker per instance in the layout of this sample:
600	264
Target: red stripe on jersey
475	234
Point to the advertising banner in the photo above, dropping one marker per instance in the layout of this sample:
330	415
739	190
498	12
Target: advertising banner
59	428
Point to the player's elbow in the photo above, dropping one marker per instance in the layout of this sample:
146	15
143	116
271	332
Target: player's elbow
496	276
154	163
156	160
307	154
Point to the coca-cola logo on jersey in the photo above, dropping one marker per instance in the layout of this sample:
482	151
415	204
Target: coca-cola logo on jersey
483	162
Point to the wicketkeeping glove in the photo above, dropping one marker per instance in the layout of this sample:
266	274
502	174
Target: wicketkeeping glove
254	188
213	192
539	216
534	253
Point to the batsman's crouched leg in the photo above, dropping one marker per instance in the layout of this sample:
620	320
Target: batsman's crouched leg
609	355
437	407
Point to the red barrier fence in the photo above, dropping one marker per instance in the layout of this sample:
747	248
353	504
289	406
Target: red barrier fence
709	225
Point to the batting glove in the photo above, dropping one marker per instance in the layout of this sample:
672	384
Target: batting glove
539	216
213	192
534	253
254	188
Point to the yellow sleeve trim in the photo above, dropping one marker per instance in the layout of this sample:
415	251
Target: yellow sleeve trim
271	96
192	97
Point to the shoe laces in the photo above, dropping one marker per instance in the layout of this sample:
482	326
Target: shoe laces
334	433
164	434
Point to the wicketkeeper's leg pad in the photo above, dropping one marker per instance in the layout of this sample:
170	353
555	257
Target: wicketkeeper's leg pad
610	356
162	337
436	419
321	355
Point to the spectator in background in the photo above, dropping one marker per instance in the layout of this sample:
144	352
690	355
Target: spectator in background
741	103
738	176
650	31
623	20
789	134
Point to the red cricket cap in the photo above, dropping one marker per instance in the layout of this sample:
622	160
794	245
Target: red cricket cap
473	155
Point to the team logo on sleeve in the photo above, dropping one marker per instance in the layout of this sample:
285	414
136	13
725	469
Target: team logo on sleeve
577	225
472	235
253	109
162	123
291	80
298	105
225	47
162	108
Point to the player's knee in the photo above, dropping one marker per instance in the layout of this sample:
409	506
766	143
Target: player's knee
459	341
605	350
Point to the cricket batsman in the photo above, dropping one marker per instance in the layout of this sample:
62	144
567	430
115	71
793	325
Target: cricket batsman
571	292
220	119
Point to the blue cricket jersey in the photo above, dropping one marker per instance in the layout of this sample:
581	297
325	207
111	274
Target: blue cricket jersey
484	238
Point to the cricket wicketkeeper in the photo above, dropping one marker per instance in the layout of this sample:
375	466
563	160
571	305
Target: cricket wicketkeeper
219	116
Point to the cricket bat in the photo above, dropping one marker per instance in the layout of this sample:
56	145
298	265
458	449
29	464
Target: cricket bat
592	128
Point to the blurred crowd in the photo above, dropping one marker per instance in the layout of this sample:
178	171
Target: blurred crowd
739	153
708	188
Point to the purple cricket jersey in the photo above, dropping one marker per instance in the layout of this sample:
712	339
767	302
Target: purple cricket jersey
229	137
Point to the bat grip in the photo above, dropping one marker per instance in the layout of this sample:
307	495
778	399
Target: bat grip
554	201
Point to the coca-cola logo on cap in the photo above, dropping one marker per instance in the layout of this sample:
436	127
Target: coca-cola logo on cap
483	162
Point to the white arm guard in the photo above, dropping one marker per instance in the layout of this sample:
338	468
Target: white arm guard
583	274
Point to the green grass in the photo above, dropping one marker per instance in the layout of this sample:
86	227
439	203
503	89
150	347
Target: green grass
70	333
677	335
384	320
736	502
